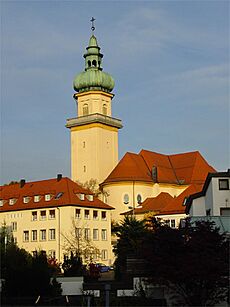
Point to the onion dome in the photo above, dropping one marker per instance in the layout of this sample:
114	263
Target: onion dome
93	78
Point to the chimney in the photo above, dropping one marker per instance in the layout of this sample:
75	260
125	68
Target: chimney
59	177
22	183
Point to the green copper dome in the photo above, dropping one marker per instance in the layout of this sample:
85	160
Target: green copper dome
93	78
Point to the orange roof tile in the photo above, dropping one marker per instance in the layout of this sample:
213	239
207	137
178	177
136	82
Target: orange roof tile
176	206
155	204
69	189
184	168
130	167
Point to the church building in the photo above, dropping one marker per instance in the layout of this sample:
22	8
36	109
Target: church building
126	184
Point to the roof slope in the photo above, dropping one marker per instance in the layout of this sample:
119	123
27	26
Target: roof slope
155	204
131	167
67	187
184	168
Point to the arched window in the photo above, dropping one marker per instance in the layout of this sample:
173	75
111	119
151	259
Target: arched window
89	63
94	63
139	199
126	199
85	109
104	109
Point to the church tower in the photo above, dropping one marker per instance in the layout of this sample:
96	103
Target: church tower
94	132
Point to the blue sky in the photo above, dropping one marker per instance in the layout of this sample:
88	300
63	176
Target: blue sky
169	59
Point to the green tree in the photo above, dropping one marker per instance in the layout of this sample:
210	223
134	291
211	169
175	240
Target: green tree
23	274
192	262
130	234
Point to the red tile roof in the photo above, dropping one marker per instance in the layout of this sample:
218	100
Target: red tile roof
165	204
155	204
69	189
184	168
176	206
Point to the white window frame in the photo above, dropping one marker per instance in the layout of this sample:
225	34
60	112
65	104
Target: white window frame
43	235
37	198
52	216
34	231
42	217
34	214
47	197
77	215
104	234
104	254
86	216
52	234
95	234
103	218
26	236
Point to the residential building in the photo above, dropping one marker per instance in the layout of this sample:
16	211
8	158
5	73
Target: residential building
213	201
56	216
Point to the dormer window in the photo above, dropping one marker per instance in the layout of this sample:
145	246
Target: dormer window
26	199
47	197
12	201
90	197
81	196
1	202
126	199
37	198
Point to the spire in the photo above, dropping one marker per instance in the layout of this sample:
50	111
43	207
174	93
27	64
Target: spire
93	78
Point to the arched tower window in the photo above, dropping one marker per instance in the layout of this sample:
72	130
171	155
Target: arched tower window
85	109
104	109
89	63
94	63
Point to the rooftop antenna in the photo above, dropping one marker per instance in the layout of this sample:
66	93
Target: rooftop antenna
92	27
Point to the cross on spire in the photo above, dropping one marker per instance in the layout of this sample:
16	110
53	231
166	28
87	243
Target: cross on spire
92	20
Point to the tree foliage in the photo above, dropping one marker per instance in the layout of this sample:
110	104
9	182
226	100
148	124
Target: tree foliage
191	262
23	274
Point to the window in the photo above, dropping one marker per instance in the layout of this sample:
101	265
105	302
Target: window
36	198
81	196
87	233
47	197
85	109
84	144
26	199
43	215
15	240
52	234
52	254
139	199
84	168
90	197
104	234
26	235
78	213
173	223
12	201
104	109
34	216
223	184
42	235
78	233
95	214
95	234
225	211
1	202
14	226
95	256
87	214
34	235
126	199
103	215
104	254
52	214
